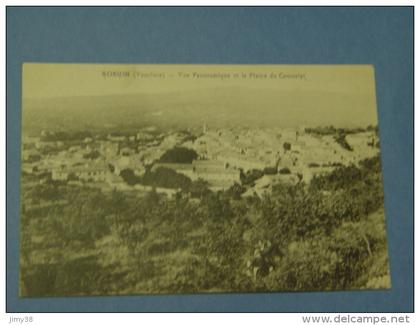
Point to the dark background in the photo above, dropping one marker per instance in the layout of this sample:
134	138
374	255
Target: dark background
273	35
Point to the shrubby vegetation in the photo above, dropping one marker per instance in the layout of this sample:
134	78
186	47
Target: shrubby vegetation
130	177
326	235
270	171
287	146
341	140
331	130
251	176
92	155
284	171
160	177
179	155
165	177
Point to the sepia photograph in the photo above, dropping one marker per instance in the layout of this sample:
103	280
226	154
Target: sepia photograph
183	179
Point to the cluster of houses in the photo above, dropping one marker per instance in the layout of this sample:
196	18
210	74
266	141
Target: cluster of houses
88	160
220	176
222	155
293	150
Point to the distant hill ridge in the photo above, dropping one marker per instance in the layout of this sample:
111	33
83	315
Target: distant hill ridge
217	107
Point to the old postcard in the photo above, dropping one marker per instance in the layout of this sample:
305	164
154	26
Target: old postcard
167	179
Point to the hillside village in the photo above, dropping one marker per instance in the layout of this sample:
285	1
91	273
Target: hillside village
222	157
202	210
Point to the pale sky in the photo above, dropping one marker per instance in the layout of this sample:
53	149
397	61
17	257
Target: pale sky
330	93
